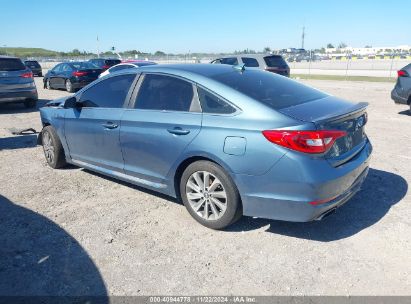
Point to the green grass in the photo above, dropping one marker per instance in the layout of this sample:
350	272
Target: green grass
344	78
27	52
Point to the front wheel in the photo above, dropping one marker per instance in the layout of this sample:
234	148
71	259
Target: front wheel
52	147
210	195
69	86
48	85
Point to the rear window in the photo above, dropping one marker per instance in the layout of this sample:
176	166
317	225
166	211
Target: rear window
275	61
11	64
84	65
32	63
275	91
112	62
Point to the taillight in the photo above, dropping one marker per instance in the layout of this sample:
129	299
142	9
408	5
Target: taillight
27	75
79	73
402	73
105	67
313	142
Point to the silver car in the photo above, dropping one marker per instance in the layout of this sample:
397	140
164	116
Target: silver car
16	82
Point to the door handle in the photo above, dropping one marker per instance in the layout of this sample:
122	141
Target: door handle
109	125
178	131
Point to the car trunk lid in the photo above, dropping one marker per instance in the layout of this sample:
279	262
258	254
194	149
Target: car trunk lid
332	113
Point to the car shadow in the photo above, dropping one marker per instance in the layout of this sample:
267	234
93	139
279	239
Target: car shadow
18	142
380	191
405	112
11	108
39	258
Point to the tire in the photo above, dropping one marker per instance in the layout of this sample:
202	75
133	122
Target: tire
40	75
69	86
31	103
208	206
48	85
52	147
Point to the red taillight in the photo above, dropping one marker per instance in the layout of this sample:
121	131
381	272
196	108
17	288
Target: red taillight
304	141
324	201
27	75
402	73
79	73
105	67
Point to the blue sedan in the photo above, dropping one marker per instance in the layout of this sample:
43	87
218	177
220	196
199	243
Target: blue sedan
226	141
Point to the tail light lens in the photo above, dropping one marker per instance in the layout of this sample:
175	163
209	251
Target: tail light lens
105	67
79	73
402	73
27	75
313	142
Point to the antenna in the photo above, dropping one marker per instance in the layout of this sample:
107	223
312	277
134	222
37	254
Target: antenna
303	37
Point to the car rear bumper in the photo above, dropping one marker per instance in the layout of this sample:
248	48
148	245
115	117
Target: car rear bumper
398	99
286	190
18	96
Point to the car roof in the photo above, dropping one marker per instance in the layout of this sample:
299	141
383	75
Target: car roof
8	57
250	55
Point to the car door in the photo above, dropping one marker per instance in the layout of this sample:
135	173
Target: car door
92	129
54	74
162	121
64	74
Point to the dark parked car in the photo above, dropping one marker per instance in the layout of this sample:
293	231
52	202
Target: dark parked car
104	64
35	67
71	76
226	141
270	63
16	82
402	91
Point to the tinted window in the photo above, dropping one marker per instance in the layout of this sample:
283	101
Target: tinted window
97	62
11	64
66	68
109	93
160	92
275	91
275	61
84	65
230	61
211	103
57	68
32	64
250	62
112	62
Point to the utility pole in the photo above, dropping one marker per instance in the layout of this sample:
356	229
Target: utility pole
98	48
302	38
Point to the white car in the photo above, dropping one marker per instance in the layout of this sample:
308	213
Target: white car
126	65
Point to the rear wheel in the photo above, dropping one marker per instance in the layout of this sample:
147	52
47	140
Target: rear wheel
48	85
69	86
52	147
31	103
210	195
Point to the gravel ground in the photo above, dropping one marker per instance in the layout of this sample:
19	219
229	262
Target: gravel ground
73	232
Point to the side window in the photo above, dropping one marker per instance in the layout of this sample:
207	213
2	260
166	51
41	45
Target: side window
57	68
229	60
66	68
159	92
210	103
250	62
216	61
109	93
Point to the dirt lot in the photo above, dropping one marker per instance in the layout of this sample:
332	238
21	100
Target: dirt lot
73	232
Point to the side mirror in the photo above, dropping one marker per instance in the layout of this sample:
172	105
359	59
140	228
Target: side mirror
72	103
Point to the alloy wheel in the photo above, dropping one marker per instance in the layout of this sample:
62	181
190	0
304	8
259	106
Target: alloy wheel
206	195
48	147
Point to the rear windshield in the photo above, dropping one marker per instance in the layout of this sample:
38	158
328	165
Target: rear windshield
275	91
32	63
11	64
84	65
275	61
112	62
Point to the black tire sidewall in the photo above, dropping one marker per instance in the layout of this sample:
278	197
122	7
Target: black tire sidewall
233	198
59	157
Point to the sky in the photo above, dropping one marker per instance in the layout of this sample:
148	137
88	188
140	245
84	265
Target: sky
212	26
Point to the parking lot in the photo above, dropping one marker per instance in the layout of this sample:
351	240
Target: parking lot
74	232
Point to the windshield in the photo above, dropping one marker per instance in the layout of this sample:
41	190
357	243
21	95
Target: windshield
11	64
275	91
84	65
